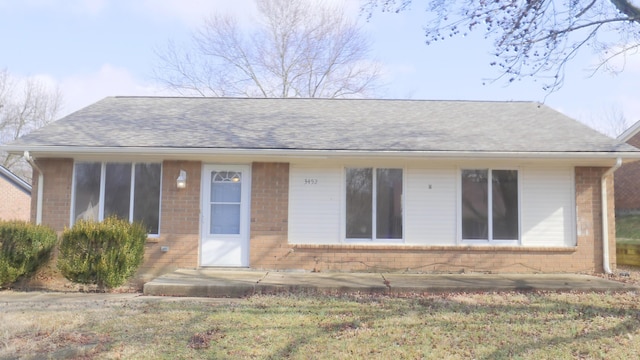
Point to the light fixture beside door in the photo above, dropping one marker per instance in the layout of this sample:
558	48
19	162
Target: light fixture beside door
181	181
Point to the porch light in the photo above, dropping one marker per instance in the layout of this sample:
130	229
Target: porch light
181	181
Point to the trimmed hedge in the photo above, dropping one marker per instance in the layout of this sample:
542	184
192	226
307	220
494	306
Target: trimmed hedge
103	253
23	248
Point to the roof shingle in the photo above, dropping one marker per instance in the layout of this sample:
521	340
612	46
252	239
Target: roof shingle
322	124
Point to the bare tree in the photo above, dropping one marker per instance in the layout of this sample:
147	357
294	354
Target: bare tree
535	37
297	49
611	121
24	106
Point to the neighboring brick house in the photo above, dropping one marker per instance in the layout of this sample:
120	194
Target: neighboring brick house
336	184
15	196
627	184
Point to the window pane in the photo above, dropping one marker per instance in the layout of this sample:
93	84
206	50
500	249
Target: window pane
225	219
505	204
225	186
117	190
359	203
475	204
146	199
389	204
87	191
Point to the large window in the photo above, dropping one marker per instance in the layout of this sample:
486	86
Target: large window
373	203
490	212
128	191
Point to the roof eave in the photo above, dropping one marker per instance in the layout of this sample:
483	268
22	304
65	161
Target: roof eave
72	151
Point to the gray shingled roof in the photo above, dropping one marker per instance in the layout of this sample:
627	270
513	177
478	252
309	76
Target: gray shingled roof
321	124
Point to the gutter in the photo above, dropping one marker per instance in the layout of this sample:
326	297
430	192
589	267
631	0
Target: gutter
307	153
32	162
605	217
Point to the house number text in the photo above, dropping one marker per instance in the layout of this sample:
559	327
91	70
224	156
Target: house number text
310	181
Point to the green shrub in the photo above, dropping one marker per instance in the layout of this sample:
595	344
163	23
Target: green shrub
23	248
105	254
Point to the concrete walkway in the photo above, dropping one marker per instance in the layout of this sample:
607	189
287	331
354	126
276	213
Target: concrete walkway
240	283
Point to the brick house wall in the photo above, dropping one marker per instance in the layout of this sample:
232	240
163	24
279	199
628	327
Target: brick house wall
269	247
627	184
56	198
269	217
179	222
15	204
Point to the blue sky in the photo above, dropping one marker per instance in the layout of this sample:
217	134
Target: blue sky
97	48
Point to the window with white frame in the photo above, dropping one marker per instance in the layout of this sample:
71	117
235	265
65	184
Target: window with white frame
126	190
373	204
489	212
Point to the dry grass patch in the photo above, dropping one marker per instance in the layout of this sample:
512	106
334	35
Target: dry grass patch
447	326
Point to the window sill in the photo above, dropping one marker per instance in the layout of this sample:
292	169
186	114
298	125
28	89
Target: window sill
153	239
369	242
461	248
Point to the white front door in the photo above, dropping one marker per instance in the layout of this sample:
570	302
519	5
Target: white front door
225	223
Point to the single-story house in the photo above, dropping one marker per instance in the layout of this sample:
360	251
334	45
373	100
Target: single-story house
627	178
336	184
15	196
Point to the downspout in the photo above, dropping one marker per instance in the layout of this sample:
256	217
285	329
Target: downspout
31	161
605	217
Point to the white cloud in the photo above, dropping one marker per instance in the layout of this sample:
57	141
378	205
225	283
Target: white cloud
90	7
192	12
82	90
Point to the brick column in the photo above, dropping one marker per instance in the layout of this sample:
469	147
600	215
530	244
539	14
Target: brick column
269	215
56	199
589	217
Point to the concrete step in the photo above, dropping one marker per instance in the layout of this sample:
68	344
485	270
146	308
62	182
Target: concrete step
241	283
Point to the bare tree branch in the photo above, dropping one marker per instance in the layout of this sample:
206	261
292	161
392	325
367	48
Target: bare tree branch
297	49
24	106
534	37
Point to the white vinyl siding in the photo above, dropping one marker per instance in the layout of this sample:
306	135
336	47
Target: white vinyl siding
548	207
315	205
430	207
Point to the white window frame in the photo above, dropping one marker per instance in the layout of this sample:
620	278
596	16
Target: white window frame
489	239
103	167
374	199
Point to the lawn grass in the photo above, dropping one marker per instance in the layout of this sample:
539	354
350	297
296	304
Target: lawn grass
509	325
628	229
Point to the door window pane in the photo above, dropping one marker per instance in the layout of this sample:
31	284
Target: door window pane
146	200
475	203
226	186
505	204
117	190
359	198
87	191
389	204
225	219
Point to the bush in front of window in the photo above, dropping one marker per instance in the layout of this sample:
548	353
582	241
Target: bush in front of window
24	247
105	253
